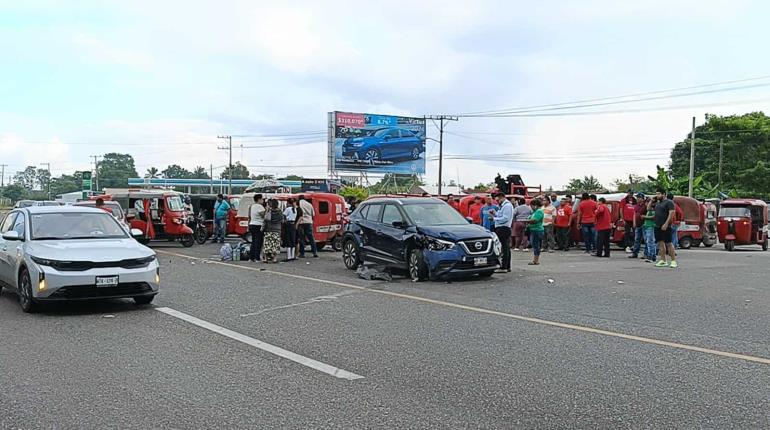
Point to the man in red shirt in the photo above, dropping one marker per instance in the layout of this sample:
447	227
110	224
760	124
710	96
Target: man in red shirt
628	207
603	228
474	211
561	224
586	216
639	210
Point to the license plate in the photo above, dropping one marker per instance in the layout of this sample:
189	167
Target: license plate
107	281
480	261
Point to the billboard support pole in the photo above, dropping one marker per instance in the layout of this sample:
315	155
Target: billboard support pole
441	119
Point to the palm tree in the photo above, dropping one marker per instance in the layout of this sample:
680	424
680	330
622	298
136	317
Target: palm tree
152	173
200	173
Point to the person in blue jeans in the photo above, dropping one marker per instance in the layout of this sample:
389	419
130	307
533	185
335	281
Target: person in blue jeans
650	245
221	209
638	226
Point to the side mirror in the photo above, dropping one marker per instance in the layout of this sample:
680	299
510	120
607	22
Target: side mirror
398	224
12	235
135	232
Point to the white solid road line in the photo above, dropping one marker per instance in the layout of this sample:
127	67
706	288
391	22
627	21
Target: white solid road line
585	329
309	362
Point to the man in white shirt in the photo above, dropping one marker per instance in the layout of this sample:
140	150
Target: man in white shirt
305	215
256	221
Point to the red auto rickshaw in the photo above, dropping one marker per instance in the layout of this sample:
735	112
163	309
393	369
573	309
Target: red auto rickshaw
696	228
159	214
742	222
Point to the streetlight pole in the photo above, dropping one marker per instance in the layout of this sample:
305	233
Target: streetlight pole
692	159
48	167
230	164
441	119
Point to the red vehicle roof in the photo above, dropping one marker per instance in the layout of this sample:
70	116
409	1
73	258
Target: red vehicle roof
743	202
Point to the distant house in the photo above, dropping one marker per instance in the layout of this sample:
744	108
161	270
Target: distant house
433	190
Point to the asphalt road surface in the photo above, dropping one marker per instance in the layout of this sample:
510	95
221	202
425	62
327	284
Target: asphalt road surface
578	342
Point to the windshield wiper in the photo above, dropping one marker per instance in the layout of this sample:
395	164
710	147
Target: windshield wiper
48	238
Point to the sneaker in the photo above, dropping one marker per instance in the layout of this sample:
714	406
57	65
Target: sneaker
647	260
515	249
661	263
633	256
525	250
628	249
674	264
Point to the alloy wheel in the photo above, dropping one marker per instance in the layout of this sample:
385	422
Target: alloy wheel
371	155
414	268
415	154
349	256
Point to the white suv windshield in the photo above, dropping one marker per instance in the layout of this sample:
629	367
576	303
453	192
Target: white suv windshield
75	225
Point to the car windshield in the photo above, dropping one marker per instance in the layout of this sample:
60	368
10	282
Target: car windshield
734	211
434	214
75	225
175	204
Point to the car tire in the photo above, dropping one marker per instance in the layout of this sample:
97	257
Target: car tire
351	255
685	242
418	270
187	240
26	301
201	235
143	300
337	244
486	274
415	153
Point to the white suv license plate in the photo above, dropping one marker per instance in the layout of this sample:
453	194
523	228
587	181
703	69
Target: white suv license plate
107	281
480	261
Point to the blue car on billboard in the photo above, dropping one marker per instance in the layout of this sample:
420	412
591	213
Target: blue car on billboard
384	144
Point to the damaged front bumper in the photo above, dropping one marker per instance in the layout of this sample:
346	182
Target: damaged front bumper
457	263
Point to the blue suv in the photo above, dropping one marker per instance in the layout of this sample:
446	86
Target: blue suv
425	236
384	144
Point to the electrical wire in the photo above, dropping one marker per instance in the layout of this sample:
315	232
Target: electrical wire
735	81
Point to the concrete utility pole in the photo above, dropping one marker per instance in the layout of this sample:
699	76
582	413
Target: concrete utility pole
441	119
211	178
48	167
230	169
692	159
2	176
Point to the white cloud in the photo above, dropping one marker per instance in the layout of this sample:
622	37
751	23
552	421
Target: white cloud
98	50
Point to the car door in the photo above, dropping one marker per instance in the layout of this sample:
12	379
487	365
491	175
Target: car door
6	271
390	239
368	223
390	144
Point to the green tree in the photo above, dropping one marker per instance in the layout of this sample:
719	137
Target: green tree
745	141
633	182
66	184
42	179
152	173
115	169
15	192
588	184
263	176
395	183
199	172
26	178
239	172
355	192
176	171
292	178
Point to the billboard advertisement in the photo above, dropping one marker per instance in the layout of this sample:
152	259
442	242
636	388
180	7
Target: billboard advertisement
376	143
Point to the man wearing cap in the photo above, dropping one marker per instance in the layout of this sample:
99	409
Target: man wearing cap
638	224
628	209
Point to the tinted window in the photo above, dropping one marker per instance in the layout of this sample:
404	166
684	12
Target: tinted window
374	213
434	214
391	214
734	211
406	133
18	225
363	211
394	134
323	207
8	222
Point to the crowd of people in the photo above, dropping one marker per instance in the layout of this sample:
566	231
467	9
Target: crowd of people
545	224
273	226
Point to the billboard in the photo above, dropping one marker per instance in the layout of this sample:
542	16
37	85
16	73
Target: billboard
376	143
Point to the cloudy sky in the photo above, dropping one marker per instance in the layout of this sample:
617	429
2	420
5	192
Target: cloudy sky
161	79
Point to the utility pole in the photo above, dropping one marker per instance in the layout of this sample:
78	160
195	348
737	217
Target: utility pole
2	176
721	144
211	178
692	159
441	119
230	169
96	171
48	167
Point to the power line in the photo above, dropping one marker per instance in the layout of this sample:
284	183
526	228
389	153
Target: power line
622	96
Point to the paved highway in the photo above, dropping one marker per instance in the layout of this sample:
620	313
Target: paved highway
577	342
